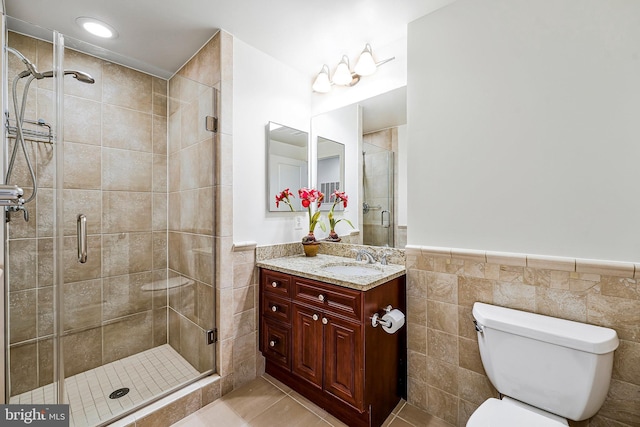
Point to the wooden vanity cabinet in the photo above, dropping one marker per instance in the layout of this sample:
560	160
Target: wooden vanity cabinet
318	339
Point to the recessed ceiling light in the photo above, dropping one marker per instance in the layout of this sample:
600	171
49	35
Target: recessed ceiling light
97	28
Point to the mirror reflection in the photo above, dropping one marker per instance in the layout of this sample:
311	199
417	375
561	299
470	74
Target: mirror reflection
330	170
287	163
381	167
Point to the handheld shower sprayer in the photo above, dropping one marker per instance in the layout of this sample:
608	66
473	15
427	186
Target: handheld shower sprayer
81	76
33	74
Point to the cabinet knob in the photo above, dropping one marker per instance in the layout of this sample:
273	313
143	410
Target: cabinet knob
324	321
274	308
321	297
315	317
274	284
272	343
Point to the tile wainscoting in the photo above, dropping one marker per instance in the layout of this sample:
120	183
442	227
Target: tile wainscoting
445	373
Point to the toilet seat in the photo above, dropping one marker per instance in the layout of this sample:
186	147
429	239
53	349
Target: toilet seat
509	412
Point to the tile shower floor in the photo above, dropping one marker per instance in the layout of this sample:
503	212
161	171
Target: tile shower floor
145	374
266	402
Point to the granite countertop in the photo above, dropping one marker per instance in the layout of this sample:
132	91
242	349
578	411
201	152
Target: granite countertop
314	268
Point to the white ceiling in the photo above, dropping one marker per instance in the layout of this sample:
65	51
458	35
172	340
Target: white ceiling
161	35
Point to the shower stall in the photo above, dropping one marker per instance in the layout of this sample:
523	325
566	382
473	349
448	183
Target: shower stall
107	194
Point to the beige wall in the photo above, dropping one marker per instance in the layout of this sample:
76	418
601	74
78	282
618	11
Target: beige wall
191	193
205	220
115	173
446	376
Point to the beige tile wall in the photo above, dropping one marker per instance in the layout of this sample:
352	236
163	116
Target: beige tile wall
115	153
200	184
445	374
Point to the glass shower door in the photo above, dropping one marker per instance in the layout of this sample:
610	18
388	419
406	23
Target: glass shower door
30	153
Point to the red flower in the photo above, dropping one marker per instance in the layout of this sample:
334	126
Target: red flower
305	203
284	197
340	196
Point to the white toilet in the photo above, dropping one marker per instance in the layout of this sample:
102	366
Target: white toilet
548	370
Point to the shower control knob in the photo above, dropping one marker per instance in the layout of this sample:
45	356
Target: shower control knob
274	284
315	317
321	297
274	308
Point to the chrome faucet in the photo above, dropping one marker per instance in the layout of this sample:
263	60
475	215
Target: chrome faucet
384	258
364	254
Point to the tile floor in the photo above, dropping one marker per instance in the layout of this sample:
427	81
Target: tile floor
266	402
146	374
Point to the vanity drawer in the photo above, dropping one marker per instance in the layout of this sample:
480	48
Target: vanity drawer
277	308
275	345
277	283
332	298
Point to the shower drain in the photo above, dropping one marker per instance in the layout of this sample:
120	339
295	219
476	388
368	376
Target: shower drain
119	393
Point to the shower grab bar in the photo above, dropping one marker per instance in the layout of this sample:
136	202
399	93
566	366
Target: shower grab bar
82	238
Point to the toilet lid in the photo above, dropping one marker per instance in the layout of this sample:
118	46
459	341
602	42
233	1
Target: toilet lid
509	412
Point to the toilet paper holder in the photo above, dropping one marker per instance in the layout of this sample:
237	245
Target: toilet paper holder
377	320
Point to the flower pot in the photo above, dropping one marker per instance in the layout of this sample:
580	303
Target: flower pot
311	249
333	237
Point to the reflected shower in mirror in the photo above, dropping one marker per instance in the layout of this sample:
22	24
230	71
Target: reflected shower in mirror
376	157
378	190
330	170
287	163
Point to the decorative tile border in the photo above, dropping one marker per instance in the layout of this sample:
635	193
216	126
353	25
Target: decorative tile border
548	262
244	246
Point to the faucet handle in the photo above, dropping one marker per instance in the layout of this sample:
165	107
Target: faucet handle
383	258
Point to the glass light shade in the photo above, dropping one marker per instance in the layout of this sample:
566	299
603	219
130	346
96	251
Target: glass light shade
365	65
322	84
342	76
96	27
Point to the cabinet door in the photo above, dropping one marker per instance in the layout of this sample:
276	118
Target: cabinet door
344	361
307	344
275	342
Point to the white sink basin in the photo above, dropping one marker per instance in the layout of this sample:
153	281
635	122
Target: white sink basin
352	269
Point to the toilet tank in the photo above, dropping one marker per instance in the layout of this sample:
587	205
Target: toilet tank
557	365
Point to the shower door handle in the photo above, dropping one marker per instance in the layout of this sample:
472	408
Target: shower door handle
387	223
82	238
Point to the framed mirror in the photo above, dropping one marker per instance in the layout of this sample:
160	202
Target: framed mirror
287	164
330	170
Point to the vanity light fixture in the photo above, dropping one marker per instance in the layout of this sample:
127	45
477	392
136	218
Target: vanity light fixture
97	27
343	75
365	65
322	83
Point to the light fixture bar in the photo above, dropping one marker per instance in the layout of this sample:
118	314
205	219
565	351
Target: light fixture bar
343	75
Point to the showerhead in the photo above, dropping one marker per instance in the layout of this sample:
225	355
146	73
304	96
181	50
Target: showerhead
81	76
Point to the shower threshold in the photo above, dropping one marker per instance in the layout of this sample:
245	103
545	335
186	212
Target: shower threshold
145	374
